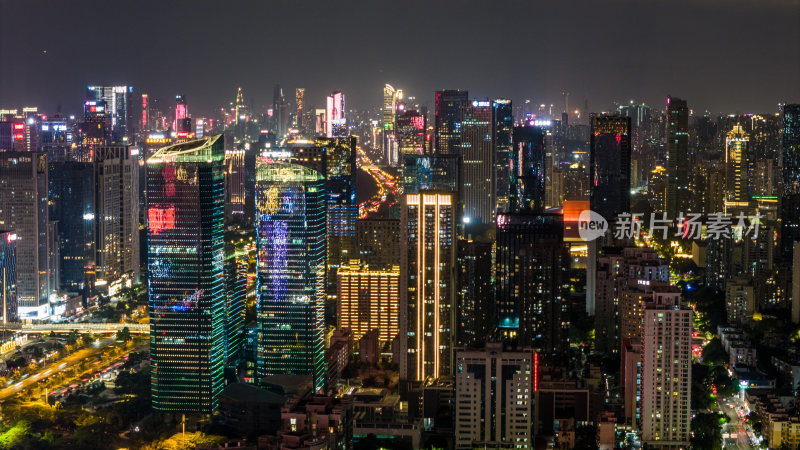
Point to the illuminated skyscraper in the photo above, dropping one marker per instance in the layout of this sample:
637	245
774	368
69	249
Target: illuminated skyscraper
378	242
610	165
410	133
447	125
368	300
183	122
475	291
280	114
8	276
736	166
529	169
336	120
72	205
290	242
790	200
23	211
234	182
678	196
477	158
431	172
185	201
299	96
427	285
389	106
532	280
120	109
237	259
503	131
239	108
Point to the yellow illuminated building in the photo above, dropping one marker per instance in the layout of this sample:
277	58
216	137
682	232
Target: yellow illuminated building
368	300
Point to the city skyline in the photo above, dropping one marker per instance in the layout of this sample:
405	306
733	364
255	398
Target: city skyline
562	50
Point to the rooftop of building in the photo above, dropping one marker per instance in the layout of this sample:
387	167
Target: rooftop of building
198	150
246	392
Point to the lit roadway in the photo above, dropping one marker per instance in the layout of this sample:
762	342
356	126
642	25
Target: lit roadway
735	426
85	327
61	365
386	185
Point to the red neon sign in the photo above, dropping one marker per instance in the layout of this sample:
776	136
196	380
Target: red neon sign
19	126
19	136
160	219
536	372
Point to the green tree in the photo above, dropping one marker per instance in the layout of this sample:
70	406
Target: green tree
707	431
714	353
124	334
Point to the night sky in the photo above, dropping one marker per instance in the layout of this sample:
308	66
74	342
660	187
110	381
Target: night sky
721	55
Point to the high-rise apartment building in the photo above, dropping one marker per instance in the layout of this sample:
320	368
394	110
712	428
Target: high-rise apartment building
290	231
185	214
678	163
410	133
610	165
24	211
475	290
427	285
494	398
368	299
477	150
666	370
448	116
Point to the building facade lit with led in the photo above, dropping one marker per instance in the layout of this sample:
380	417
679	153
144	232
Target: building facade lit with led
290	243
368	299
427	285
8	276
477	152
185	214
610	165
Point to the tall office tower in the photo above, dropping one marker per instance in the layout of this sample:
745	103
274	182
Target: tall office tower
57	138
666	370
529	163
475	291
146	117
494	398
118	101
368	300
72	196
410	133
239	107
531	270
378	242
186	257
237	259
280	114
299	98
389	109
8	276
431	172
477	158
117	217
790	197
736	167
335	118
610	165
234	182
447	125
12	135
23	210
183	122
427	285
503	132
290	241
678	163
96	126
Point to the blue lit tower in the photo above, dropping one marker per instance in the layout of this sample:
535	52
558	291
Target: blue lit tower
290	243
185	215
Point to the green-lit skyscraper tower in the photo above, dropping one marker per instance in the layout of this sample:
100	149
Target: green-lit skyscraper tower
185	209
